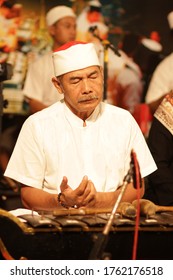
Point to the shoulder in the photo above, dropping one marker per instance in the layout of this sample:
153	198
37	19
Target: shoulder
46	115
116	116
42	60
167	61
114	110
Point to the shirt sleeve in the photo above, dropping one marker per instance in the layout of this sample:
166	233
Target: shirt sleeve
27	161
32	87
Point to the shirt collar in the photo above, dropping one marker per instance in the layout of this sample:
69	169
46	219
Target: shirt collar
75	120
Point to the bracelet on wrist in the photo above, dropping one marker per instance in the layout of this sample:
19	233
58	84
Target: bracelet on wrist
60	202
63	204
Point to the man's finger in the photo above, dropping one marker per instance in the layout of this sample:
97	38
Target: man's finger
64	185
81	188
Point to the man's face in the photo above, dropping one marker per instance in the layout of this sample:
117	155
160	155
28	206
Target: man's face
64	30
82	90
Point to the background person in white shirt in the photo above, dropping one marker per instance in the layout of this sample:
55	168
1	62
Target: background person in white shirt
161	83
38	89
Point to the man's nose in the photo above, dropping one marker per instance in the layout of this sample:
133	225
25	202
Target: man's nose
86	86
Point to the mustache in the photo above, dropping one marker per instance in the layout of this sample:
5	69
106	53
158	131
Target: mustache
87	98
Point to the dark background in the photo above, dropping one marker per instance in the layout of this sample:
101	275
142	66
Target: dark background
148	15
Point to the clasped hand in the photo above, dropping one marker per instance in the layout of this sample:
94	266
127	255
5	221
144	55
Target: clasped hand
83	196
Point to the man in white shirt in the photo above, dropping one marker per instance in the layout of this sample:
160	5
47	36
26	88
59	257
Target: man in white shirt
77	152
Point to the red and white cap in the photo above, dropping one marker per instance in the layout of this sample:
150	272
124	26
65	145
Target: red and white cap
74	56
58	13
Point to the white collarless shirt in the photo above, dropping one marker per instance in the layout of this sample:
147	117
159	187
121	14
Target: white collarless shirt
54	143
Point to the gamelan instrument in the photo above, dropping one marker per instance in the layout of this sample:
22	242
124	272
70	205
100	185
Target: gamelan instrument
71	234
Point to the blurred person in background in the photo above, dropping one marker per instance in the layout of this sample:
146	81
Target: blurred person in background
38	89
161	83
89	15
123	75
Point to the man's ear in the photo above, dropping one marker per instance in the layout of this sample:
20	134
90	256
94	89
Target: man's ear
56	83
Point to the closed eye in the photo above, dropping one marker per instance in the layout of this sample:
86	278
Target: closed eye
75	80
93	75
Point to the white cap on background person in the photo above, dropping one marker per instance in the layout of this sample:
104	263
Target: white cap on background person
58	13
74	56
